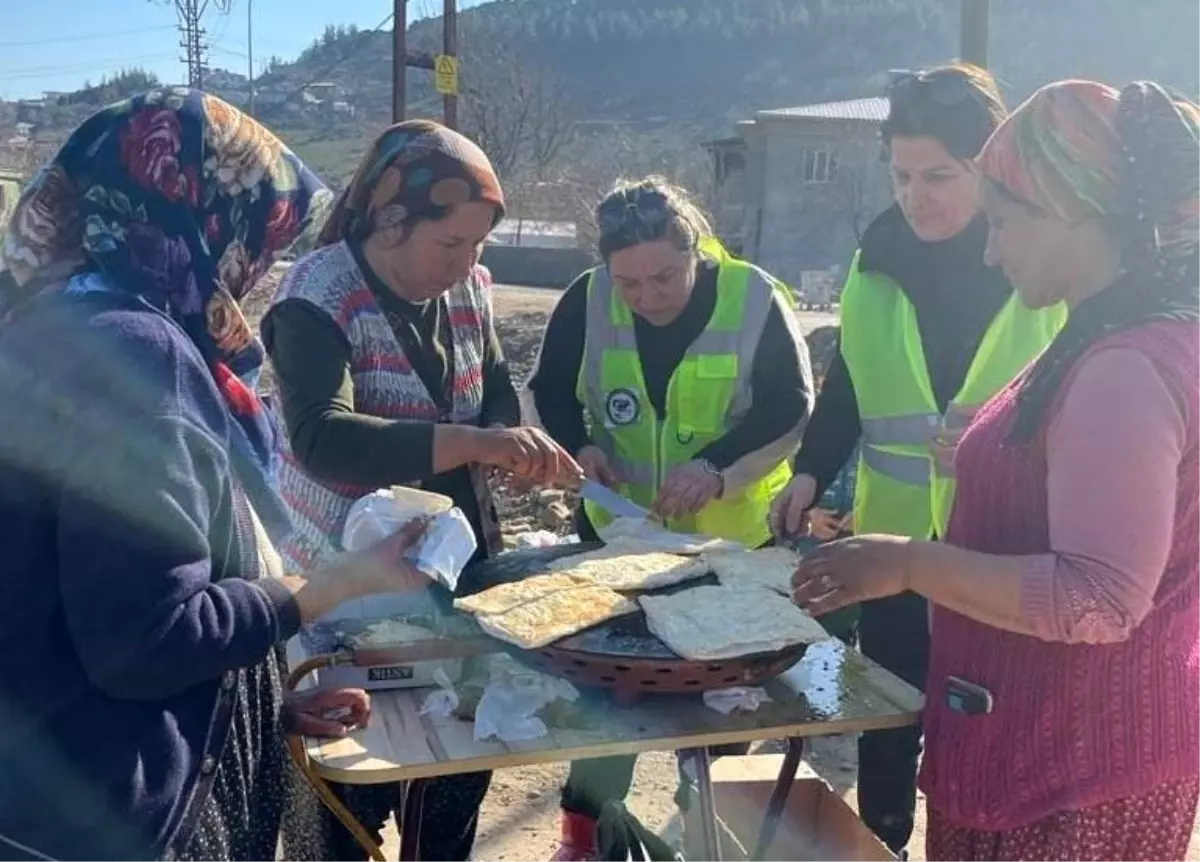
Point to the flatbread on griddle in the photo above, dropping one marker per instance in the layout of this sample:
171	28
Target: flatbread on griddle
648	536
710	623
505	597
555	616
767	567
618	567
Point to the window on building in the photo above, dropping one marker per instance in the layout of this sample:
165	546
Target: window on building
729	162
819	166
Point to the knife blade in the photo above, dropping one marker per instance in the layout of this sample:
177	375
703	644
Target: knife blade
611	501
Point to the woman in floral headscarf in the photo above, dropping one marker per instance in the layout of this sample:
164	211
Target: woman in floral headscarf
139	684
1065	670
391	373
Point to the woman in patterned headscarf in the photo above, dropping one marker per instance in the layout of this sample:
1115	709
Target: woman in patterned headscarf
139	684
391	373
1061	713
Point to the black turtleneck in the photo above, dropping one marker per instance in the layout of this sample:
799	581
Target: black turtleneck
955	296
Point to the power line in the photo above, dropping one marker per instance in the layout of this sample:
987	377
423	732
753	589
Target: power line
83	67
84	37
190	14
324	73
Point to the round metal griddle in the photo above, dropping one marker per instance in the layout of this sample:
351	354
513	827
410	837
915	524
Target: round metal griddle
622	654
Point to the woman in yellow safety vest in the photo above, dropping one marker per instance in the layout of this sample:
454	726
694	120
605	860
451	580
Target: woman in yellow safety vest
676	374
929	332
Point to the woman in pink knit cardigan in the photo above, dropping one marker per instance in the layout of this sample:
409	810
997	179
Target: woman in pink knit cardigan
1062	717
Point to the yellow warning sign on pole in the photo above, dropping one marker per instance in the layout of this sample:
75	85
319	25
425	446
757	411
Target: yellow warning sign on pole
445	74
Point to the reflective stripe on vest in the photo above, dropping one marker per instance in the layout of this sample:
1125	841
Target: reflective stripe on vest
708	394
912	430
900	486
909	469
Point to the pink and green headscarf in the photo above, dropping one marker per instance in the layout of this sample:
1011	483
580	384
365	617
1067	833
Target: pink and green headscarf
1079	150
1073	150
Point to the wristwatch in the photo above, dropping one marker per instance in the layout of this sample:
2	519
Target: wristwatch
711	469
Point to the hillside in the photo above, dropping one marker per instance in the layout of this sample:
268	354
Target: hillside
712	61
554	88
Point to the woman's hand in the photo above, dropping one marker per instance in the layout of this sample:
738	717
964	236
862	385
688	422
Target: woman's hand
942	447
382	568
790	511
824	525
852	570
530	454
687	489
596	466
331	713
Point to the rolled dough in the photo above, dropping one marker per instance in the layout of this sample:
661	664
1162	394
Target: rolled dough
648	536
720	622
767	567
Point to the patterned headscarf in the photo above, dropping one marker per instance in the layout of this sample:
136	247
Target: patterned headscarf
414	169
1079	150
175	197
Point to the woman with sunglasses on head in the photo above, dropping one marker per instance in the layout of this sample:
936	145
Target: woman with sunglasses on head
391	373
928	333
1060	721
677	375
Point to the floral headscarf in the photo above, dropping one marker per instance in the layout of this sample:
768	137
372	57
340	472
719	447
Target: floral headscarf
178	198
413	169
1080	150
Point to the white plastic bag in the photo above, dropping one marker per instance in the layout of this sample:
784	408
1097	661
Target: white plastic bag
512	698
739	697
443	700
539	539
444	550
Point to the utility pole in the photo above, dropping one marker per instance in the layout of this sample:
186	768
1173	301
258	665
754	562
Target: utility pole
399	59
402	59
190	13
973	31
250	52
450	49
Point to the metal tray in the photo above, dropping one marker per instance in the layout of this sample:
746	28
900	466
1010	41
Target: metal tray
622	654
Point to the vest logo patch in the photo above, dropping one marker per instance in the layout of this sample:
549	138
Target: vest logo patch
622	407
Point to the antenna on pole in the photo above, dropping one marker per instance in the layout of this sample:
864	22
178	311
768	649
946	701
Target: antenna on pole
191	35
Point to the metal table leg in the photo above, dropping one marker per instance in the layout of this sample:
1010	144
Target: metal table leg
410	825
710	845
779	797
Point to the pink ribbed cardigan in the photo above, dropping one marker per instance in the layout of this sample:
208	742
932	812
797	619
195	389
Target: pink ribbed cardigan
1074	725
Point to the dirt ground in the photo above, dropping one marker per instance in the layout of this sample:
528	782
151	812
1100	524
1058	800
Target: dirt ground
520	818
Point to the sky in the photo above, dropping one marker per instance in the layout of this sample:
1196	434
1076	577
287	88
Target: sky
61	44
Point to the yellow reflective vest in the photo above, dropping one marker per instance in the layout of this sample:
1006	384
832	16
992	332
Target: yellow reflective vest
899	490
707	395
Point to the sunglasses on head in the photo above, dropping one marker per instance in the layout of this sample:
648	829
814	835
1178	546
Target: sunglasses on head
945	87
641	208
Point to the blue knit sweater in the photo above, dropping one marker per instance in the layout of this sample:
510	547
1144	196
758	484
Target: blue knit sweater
128	591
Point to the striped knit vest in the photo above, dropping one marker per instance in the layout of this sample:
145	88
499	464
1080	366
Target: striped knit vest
385	385
1074	725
